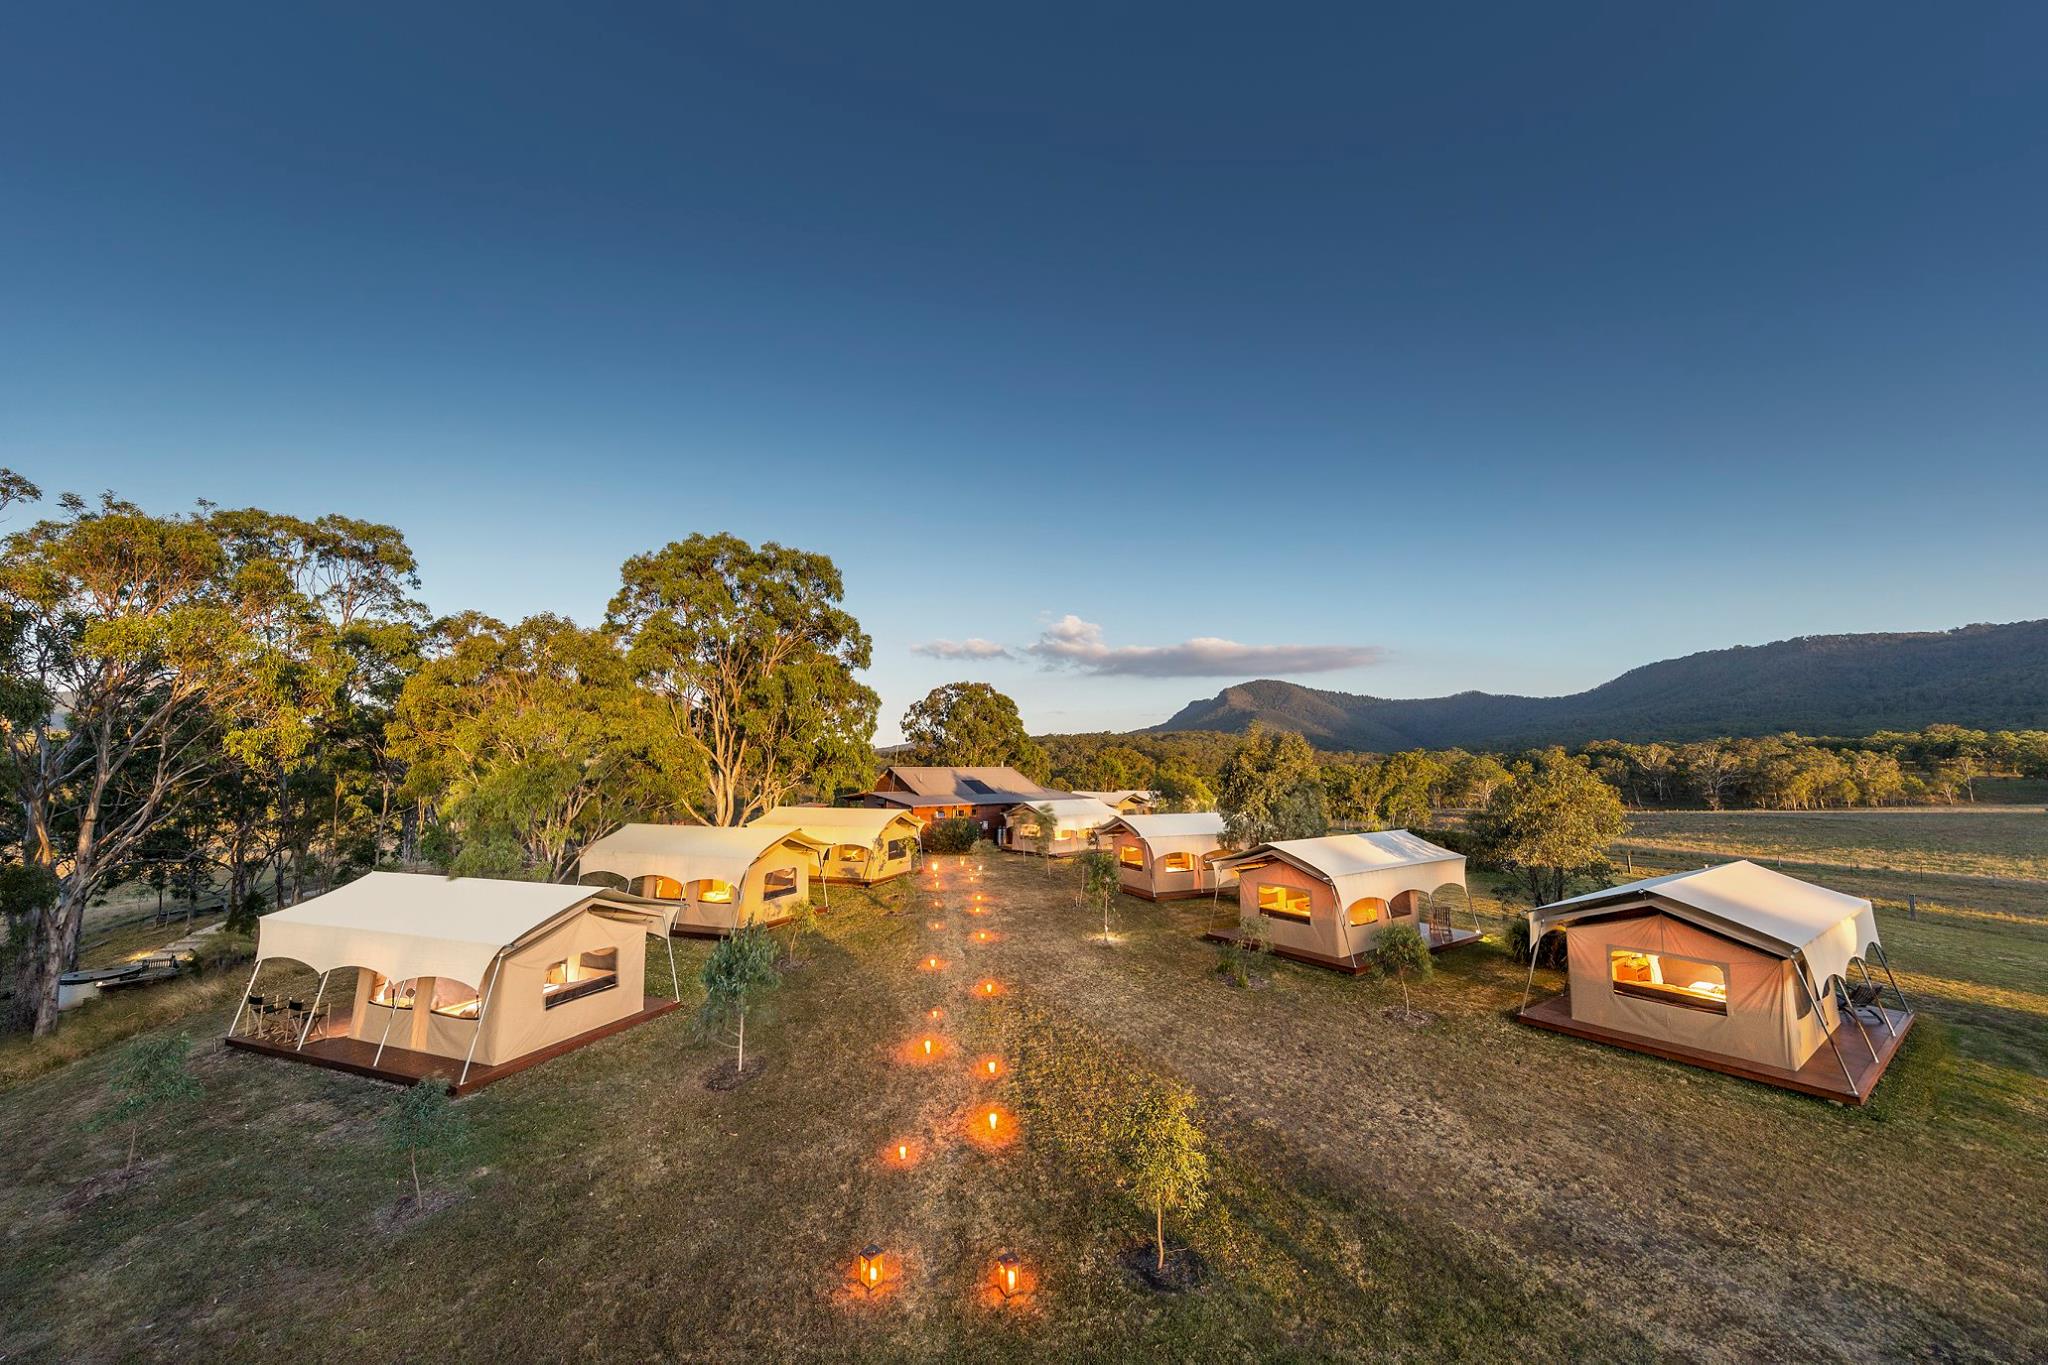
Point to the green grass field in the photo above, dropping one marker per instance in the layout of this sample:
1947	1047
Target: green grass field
1469	1189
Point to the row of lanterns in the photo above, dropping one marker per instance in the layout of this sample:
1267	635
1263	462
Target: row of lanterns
1009	1279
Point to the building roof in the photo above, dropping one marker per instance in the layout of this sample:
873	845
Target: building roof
1380	863
1117	798
687	853
837	824
983	786
1743	901
406	924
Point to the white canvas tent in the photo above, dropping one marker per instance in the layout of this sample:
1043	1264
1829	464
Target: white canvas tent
1735	961
1076	821
1164	856
1325	900
470	932
858	844
717	877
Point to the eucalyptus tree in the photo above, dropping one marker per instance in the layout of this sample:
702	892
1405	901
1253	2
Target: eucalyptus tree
1271	788
528	741
133	655
970	724
750	661
1553	823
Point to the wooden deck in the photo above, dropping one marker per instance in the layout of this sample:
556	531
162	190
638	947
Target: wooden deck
402	1066
1358	964
1821	1076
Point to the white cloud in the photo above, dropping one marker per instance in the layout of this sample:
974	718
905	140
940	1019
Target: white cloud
1072	642
974	647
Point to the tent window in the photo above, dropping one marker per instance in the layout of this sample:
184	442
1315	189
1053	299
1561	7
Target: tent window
898	848
1130	855
400	997
1365	911
780	882
1669	980
1287	902
1028	829
585	974
850	853
453	1000
660	888
713	892
1180	862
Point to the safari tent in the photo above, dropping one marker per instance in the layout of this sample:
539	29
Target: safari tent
857	845
1737	968
717	878
1167	857
1076	822
1326	900
464	979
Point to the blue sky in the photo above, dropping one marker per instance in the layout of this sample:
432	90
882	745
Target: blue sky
1490	347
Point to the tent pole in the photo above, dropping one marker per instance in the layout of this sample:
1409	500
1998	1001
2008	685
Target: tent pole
1883	1015
390	1013
1799	970
669	940
1886	959
480	1011
247	990
317	995
1535	943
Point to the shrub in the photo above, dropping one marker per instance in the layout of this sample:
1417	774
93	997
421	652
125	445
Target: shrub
956	834
1398	950
1553	954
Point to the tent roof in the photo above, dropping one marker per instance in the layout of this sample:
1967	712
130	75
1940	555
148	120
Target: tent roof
1744	901
1074	810
1357	865
408	924
687	853
834	824
1195	832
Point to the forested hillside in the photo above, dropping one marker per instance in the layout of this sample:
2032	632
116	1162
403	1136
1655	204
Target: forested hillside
1991	677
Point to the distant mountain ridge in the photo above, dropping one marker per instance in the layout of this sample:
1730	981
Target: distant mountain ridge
1987	677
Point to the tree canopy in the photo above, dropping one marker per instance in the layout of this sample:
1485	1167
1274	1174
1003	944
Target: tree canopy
1271	789
751	661
971	725
1553	823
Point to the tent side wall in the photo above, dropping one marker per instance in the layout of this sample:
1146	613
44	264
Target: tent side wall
1319	935
1153	880
516	1019
1767	1020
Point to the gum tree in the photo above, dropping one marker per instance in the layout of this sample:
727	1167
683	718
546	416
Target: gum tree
750	661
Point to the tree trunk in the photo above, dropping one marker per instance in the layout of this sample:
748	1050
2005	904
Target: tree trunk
412	1154
134	1132
1159	1230
741	1064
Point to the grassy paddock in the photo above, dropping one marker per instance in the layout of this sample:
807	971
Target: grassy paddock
1469	1189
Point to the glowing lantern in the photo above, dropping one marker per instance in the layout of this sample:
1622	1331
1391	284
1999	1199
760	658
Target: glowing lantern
992	1066
992	1116
867	1267
903	1151
927	1047
1009	1274
935	1013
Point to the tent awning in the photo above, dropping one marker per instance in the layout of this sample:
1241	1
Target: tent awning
404	925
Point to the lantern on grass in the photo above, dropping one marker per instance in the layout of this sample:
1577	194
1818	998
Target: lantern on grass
1010	1277
868	1268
